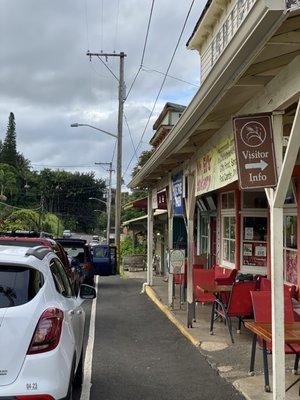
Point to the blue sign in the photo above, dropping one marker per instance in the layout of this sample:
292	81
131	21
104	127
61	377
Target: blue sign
177	192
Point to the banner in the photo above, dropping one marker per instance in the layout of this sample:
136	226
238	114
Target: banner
177	194
217	168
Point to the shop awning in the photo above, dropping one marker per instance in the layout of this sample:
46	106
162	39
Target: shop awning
262	45
143	219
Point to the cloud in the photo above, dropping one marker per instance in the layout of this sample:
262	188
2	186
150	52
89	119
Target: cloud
47	80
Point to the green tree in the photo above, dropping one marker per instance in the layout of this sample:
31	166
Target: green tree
9	148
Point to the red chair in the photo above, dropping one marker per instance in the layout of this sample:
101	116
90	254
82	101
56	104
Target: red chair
225	276
201	276
239	306
262	308
265	285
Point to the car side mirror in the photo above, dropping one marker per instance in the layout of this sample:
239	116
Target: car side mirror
87	292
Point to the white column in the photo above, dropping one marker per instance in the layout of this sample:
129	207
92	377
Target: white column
170	241
276	227
150	240
191	201
278	359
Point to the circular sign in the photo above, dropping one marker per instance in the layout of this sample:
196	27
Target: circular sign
177	259
253	134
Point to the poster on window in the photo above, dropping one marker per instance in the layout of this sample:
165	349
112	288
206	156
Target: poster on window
291	267
261	251
248	233
177	192
247	249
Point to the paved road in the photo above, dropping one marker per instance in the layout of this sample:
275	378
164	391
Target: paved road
140	355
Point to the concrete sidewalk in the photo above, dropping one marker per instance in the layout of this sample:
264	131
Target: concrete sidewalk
230	360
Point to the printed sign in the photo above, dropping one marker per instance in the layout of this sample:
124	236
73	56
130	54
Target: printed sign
177	260
154	199
217	168
255	151
249	233
162	200
177	192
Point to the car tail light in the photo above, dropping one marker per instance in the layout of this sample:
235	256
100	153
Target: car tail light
35	397
88	265
47	332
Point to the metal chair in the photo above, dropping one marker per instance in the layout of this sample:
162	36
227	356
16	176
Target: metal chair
239	306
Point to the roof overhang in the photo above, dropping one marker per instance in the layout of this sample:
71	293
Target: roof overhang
229	86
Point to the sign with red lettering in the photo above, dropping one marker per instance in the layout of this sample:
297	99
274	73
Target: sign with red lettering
255	153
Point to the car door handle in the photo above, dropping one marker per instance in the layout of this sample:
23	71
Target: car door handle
71	312
79	312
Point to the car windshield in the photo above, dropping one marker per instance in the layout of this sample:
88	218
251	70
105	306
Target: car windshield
18	285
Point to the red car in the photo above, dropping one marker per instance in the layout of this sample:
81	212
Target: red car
53	245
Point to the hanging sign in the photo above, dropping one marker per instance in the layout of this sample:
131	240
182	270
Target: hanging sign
217	168
255	151
177	194
162	200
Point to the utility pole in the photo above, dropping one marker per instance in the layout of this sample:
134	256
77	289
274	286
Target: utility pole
122	96
108	199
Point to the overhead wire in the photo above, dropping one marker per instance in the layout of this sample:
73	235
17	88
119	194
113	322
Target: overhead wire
130	134
117	25
148	69
143	52
163	83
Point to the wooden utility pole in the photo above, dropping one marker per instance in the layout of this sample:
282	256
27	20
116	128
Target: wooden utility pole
122	96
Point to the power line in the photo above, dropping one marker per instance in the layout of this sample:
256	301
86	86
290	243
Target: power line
87	24
163	82
131	138
117	24
144	50
148	69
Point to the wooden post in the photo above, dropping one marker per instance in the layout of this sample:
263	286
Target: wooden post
150	241
191	202
170	242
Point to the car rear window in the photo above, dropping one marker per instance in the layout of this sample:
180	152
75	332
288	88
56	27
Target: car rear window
100	252
18	285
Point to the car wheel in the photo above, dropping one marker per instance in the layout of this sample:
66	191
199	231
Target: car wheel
78	379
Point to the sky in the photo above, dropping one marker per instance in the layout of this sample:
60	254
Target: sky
48	82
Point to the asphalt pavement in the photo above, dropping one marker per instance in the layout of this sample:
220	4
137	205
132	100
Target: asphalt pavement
140	355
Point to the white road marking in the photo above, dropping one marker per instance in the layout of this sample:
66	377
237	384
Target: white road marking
88	360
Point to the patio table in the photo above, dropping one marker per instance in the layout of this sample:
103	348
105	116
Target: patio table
264	331
214	288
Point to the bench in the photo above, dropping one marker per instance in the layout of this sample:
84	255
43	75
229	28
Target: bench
135	262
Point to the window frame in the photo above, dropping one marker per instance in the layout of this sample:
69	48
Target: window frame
61	268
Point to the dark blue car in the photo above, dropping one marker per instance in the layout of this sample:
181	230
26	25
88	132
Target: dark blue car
104	260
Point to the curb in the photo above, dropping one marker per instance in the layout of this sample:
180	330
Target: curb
179	325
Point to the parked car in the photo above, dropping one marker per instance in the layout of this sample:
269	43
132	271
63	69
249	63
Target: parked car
78	249
67	233
104	259
41	325
75	274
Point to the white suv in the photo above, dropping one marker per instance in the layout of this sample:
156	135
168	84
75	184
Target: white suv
41	326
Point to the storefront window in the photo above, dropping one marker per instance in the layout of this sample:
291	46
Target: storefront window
290	196
228	200
254	249
255	200
290	249
204	220
228	242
